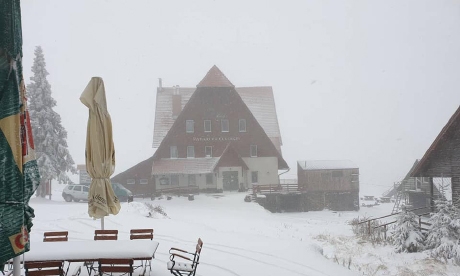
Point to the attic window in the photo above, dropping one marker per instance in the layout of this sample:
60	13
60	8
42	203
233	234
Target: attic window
190	126
253	150
224	125
130	181
242	125
144	181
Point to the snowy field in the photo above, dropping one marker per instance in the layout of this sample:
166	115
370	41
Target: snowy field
243	238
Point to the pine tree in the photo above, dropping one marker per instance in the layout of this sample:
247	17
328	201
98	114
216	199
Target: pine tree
444	234
53	157
407	236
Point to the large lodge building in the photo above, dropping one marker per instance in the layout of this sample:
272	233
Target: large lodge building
213	137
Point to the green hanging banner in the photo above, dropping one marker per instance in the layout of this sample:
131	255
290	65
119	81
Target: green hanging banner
19	176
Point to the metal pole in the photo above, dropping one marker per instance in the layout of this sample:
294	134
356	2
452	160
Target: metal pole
17	266
102	223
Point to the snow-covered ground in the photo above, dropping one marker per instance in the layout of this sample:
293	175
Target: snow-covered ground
243	238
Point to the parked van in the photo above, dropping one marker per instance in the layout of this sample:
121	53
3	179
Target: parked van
77	192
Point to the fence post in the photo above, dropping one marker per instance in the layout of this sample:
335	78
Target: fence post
369	228
385	233
420	222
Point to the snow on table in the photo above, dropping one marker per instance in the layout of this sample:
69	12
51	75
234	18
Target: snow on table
91	250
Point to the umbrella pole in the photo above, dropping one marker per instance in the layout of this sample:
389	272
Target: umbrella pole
17	266
102	226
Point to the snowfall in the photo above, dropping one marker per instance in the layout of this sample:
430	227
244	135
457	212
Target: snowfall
242	238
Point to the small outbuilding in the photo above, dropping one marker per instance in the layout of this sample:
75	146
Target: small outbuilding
331	184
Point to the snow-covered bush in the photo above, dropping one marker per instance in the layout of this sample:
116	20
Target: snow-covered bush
407	236
444	234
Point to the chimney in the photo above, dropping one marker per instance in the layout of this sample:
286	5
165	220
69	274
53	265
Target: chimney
176	102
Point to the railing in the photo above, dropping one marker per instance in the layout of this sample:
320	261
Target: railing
385	226
275	188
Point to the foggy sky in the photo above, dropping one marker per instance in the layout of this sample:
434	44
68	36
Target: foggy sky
369	81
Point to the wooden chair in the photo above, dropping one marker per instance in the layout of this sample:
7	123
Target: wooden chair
46	268
142	234
145	234
124	266
184	268
100	235
55	236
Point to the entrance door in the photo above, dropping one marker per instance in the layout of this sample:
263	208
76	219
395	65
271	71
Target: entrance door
230	181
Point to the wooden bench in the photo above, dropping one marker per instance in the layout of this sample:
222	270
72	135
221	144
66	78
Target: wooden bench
104	235
44	268
124	266
144	234
55	236
184	268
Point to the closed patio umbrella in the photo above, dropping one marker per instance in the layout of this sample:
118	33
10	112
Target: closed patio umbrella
19	175
100	152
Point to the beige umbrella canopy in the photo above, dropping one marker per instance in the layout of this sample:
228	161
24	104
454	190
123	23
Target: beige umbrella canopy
100	151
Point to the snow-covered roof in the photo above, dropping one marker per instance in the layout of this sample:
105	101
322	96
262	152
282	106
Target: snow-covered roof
184	166
326	164
260	101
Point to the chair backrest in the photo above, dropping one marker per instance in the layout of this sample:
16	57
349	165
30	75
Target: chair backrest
196	258
137	234
105	235
55	236
115	266
44	268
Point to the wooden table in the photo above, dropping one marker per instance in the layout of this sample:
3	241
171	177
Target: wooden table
91	251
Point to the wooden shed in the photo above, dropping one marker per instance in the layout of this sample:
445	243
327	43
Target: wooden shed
332	184
442	159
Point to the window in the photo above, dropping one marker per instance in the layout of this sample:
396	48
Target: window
190	126
254	177
242	125
77	188
144	181
207	125
174	180
208	151
190	151
253	150
209	178
173	151
224	125
86	189
130	182
164	180
191	180
337	173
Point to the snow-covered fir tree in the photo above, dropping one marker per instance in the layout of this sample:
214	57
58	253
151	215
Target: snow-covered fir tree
407	236
444	234
53	157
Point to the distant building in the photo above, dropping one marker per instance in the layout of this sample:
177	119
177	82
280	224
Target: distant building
214	137
83	174
332	184
442	159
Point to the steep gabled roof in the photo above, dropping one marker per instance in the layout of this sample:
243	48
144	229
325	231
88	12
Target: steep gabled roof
231	158
443	137
259	100
215	78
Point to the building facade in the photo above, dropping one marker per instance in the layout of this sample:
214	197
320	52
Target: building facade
213	137
332	184
215	143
